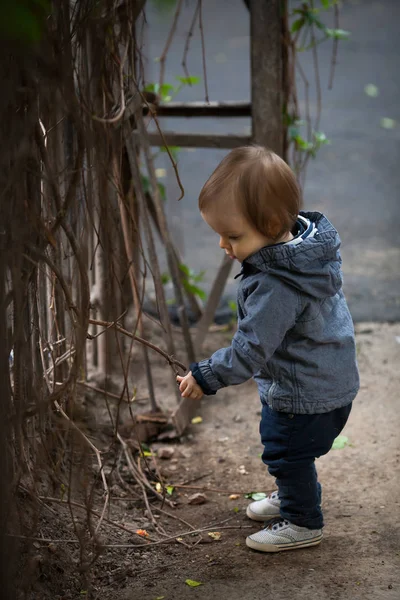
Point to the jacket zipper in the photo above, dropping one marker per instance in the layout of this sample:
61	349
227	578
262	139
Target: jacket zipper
270	392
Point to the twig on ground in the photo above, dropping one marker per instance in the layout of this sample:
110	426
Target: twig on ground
184	534
99	461
45	499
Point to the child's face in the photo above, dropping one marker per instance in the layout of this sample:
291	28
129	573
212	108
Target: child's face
237	237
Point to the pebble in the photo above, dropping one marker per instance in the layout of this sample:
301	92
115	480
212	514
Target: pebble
197	499
165	453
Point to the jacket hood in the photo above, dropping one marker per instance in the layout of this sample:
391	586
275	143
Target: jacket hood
312	267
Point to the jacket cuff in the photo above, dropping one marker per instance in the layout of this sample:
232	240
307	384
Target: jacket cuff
205	377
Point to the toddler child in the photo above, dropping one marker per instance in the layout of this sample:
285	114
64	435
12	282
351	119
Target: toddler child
295	335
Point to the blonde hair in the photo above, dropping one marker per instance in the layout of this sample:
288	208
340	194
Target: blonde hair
261	184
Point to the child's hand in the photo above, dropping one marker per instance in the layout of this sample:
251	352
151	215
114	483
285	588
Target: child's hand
189	388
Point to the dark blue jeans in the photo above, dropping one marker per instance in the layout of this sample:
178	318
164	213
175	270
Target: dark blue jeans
292	442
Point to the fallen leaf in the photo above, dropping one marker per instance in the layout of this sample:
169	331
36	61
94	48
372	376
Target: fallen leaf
387	123
236	509
340	442
142	532
192	583
160	598
170	489
197	498
259	496
197	420
371	90
215	535
255	495
159	487
234	496
147	453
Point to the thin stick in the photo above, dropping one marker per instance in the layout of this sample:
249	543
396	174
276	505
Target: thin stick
153	115
164	512
171	34
121	111
203	49
171	361
335	47
188	39
184	534
99	462
45	499
44	540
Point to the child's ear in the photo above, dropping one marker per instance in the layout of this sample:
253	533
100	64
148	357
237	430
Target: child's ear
274	228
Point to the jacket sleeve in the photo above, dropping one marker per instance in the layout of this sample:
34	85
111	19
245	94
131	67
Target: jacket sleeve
269	312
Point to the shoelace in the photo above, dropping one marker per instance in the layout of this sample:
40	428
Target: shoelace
276	524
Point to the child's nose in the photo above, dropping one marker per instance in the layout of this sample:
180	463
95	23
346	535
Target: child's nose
223	243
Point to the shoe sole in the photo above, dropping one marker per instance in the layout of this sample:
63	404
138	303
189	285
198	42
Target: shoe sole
256	517
282	547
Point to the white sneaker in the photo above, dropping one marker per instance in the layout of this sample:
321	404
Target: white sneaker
265	509
282	535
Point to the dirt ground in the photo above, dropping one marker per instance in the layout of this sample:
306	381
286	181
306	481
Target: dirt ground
359	556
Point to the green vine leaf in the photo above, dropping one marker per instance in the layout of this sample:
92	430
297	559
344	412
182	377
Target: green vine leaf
296	25
337	34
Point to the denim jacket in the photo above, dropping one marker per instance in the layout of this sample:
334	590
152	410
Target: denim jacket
295	335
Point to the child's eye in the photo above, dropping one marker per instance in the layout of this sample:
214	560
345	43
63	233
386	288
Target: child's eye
234	237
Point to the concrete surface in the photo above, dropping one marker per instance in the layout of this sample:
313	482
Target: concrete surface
355	180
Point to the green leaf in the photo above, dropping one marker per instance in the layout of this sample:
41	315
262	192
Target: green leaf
199	277
236	509
255	496
192	583
326	3
371	90
340	442
166	88
320	139
165	278
337	34
170	489
145	184
193	289
232	305
188	80
387	123
152	87
296	25
174	150
259	496
163	193
185	269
